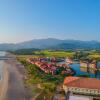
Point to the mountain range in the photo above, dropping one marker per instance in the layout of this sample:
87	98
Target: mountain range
52	43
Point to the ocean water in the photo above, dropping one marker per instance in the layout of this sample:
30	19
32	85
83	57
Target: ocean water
2	54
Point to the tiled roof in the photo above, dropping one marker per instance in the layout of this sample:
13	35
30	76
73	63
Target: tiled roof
70	79
89	83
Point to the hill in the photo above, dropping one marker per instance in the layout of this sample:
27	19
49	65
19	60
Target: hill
51	43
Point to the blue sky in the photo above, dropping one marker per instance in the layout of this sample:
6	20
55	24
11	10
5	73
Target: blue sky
22	20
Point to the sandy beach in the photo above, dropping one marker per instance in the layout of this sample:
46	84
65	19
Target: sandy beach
4	83
12	86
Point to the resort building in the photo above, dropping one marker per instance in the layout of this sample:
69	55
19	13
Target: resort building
68	60
51	67
92	64
91	67
84	64
89	87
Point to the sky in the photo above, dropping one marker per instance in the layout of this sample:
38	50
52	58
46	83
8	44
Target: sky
22	20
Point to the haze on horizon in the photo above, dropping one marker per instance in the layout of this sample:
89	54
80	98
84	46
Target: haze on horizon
22	20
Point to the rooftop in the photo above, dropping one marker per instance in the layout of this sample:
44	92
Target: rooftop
89	83
75	97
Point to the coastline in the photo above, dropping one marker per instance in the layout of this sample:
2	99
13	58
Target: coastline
4	82
16	89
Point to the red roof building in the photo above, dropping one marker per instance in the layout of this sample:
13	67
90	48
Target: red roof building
83	86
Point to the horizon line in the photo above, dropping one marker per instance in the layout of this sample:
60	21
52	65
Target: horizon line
47	38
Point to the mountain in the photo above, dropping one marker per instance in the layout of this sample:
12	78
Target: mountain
39	43
51	43
6	46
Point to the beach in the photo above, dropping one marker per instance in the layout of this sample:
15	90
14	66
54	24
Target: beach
12	86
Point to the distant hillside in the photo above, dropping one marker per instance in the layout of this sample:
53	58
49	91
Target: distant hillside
78	45
40	43
52	43
6	46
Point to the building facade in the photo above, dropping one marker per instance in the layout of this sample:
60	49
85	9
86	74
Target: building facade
82	86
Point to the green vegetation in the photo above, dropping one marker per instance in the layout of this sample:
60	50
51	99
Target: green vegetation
46	53
81	55
76	55
45	96
95	56
83	75
25	51
54	53
47	82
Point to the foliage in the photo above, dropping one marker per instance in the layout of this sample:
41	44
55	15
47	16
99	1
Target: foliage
95	55
45	96
35	76
25	51
81	55
83	75
77	55
49	87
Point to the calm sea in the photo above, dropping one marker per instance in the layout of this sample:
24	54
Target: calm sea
2	54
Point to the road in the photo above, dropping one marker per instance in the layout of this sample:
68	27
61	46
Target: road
16	89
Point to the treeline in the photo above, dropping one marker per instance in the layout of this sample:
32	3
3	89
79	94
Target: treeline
81	55
75	54
25	51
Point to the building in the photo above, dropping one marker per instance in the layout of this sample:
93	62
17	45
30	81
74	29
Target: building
51	68
78	97
82	86
84	64
68	60
89	67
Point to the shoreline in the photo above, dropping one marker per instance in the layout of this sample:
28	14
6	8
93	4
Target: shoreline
12	86
4	82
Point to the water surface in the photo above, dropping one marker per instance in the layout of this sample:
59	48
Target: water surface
78	71
2	55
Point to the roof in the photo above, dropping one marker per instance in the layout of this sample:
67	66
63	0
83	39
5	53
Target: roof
70	79
75	97
89	83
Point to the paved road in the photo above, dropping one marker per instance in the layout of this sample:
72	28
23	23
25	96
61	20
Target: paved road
16	89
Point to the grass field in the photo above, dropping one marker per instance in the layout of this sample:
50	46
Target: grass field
54	53
48	54
24	56
95	55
